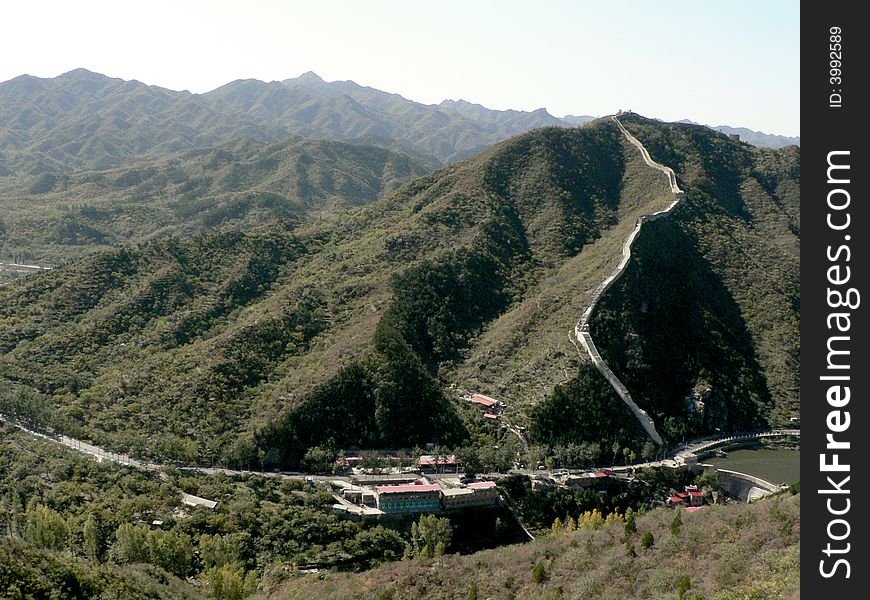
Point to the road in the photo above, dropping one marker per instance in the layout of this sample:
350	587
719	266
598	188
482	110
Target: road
581	329
22	268
674	459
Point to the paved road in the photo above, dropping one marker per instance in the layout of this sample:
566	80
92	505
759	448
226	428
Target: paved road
581	329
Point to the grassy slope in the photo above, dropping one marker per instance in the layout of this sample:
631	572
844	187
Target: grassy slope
738	551
526	351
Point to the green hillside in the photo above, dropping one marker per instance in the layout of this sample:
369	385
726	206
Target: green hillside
54	217
250	348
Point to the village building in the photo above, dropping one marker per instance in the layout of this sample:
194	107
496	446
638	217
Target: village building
486	492
691	497
409	498
442	464
481	493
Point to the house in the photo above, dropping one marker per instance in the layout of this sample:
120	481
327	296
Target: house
695	496
423	497
691	497
191	500
454	498
484	401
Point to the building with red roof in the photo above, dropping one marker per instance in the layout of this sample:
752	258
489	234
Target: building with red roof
443	464
483	400
696	498
415	497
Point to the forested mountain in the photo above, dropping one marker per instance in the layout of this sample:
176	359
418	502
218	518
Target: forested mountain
83	119
251	347
54	217
86	120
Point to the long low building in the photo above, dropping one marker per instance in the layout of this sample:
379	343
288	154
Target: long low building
431	497
482	493
409	498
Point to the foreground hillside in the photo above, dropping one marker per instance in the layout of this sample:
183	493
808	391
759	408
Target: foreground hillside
723	553
73	528
251	348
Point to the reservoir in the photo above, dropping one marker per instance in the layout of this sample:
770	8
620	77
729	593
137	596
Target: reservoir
776	465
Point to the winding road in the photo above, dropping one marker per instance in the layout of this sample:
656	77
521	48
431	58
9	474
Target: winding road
581	329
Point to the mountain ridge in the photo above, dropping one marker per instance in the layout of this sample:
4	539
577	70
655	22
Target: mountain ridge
81	119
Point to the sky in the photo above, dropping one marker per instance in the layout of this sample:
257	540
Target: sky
718	63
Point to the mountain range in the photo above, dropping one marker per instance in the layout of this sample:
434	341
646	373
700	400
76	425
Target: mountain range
83	119
756	138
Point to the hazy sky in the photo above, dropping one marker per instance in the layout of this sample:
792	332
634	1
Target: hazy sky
734	63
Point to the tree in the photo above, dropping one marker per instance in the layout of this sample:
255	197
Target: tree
539	573
319	459
229	582
630	524
471	462
220	550
46	527
615	449
647	541
131	543
171	550
570	524
430	536
677	523
92	538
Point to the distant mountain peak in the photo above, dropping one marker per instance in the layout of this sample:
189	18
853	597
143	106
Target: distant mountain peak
309	77
82	73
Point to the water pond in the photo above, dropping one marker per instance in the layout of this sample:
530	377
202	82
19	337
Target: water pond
776	465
